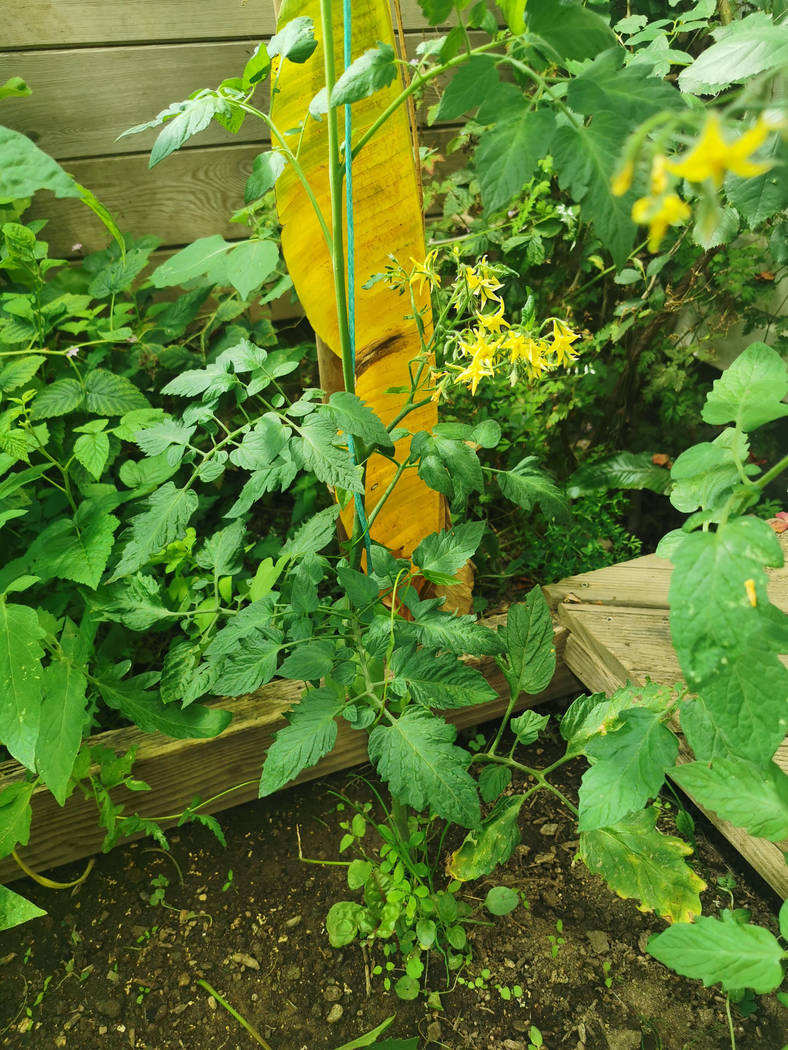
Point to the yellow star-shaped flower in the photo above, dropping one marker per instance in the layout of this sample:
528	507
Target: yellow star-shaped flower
712	157
658	213
561	346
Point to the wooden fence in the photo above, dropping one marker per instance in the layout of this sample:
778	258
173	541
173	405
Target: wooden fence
98	67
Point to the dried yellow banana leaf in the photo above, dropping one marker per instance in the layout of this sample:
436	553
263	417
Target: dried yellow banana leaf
388	221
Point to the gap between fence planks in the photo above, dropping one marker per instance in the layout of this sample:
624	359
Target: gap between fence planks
177	770
618	620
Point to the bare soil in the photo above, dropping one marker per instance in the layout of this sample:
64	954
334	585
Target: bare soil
108	968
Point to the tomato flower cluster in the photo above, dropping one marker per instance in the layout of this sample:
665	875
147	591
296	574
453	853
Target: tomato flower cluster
477	340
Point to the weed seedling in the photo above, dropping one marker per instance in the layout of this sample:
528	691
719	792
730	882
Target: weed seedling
556	940
228	881
606	972
535	1040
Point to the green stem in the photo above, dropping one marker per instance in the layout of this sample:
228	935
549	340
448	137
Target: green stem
241	1020
335	188
730	1022
542	784
401	468
277	134
771	474
418	82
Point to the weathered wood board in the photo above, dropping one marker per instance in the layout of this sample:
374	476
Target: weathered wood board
93	23
177	770
618	620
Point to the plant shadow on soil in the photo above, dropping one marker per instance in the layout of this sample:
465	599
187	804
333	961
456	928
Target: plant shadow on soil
109	968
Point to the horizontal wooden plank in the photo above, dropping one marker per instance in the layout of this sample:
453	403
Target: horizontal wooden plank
177	770
643	582
634	644
72	115
192	194
81	23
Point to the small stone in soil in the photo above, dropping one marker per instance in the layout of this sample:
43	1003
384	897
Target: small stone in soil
246	960
548	830
109	1008
334	1013
599	941
293	922
332	994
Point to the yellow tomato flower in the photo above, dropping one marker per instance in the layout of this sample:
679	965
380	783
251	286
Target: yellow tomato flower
561	346
424	272
712	156
659	175
493	321
622	180
481	365
523	347
658	213
481	281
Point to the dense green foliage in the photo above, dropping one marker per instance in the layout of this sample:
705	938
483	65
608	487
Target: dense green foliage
145	444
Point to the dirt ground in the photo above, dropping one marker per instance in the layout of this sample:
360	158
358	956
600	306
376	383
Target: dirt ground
113	967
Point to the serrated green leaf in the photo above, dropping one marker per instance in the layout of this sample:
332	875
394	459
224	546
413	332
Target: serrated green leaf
483	850
222	552
256	69
57	399
329	464
20	371
468	88
92	451
77	549
724	950
569	28
743	50
526	486
249	667
309	661
493	781
309	736
314	534
165	520
178	673
624	470
295	40
20	680
63	710
705	474
441	682
245	622
638	862
630	92
353	416
507	154
444	553
726	646
15	909
15	815
528	638
416	757
162	436
196	260
31	170
266	169
447	464
762	196
463	635
514	13
749	392
591	716
360	588
630	769
145	709
586	158
195	115
368	73
135	602
249	264
107	394
528	726
754	798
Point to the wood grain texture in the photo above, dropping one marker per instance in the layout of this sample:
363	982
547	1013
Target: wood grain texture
177	770
83	23
192	194
76	110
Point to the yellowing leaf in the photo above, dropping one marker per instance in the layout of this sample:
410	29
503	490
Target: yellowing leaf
387	220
